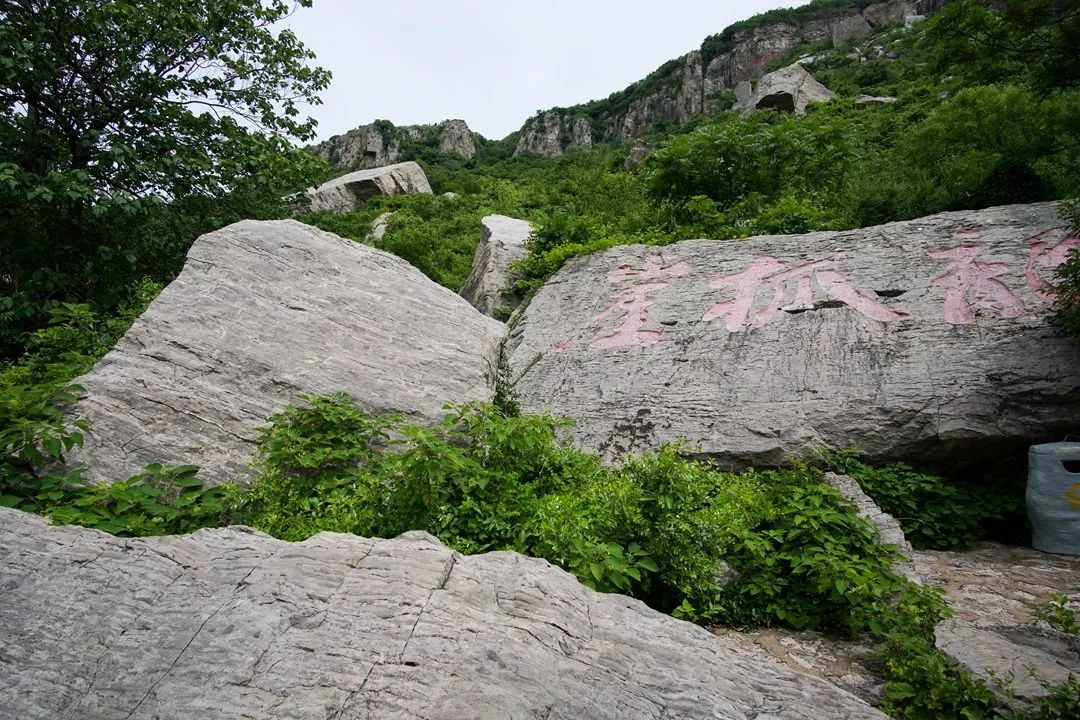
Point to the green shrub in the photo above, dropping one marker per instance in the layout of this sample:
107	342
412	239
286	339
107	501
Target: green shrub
935	512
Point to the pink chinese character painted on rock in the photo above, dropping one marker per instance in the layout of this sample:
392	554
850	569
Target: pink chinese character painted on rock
1046	254
772	274
630	305
967	275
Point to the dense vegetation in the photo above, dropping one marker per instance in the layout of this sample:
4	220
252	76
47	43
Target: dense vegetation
104	185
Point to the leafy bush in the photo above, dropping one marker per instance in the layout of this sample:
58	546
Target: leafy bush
1067	302
661	527
935	512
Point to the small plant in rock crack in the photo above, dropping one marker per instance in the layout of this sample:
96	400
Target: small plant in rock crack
1055	612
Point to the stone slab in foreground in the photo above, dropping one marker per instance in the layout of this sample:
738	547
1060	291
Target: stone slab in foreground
266	311
231	623
925	339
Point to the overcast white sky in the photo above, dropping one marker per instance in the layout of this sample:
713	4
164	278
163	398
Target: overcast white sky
492	63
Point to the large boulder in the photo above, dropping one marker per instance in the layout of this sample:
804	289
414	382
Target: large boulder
231	623
349	192
502	241
925	339
789	89
263	312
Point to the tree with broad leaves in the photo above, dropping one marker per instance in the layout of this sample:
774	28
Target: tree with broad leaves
128	126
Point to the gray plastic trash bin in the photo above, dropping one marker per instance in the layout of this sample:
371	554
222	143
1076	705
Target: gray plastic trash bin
1053	497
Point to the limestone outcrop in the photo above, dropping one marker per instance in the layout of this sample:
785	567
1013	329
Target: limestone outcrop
349	192
263	312
552	134
925	339
368	146
456	137
502	242
682	89
791	89
231	623
380	143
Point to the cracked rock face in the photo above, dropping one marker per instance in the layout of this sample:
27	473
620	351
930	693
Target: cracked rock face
266	311
502	241
925	339
995	590
231	623
455	137
350	192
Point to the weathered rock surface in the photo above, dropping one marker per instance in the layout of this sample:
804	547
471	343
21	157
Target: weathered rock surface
349	192
380	144
744	91
848	664
502	241
231	623
368	146
552	134
864	101
995	635
888	529
849	29
456	137
263	312
639	153
892	11
379	226
789	89
925	339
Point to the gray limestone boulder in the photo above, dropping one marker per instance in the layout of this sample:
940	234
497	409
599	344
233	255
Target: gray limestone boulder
744	92
263	312
350	192
502	241
849	29
789	89
925	340
865	101
379	226
230	623
456	137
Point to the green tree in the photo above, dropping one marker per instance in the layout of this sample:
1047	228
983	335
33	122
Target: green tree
126	126
1039	39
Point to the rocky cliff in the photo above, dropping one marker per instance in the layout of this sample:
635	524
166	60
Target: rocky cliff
382	143
682	89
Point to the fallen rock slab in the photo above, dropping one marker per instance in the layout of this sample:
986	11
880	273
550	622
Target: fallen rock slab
502	242
995	634
350	192
924	340
230	623
261	313
791	89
